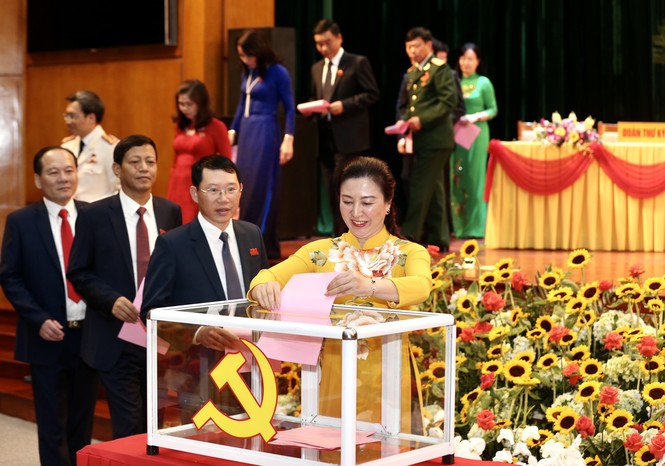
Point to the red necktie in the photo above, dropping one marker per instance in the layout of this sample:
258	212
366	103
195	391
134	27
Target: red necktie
142	247
67	238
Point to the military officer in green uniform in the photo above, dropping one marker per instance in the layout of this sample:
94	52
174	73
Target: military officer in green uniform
432	97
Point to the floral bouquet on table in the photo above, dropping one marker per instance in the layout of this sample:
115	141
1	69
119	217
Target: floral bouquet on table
566	131
554	372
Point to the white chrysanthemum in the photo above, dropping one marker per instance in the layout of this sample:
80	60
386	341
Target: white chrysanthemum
548	378
631	401
502	318
621	369
611	320
520	343
568	399
647	435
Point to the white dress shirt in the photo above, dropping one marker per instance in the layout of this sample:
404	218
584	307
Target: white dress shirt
129	208
212	234
334	64
75	311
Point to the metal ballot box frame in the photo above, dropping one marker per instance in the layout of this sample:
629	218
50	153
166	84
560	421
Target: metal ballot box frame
179	384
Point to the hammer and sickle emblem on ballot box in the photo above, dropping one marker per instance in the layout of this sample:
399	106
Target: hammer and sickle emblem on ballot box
259	415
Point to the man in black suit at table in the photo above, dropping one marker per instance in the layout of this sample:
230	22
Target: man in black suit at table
35	252
109	258
189	265
345	80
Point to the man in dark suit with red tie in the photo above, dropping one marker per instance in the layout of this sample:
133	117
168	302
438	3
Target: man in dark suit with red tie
109	259
212	258
35	253
346	81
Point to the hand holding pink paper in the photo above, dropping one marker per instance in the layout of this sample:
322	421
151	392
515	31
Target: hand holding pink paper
465	134
135	332
400	127
316	106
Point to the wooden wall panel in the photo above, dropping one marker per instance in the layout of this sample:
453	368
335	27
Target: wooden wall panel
12	36
138	96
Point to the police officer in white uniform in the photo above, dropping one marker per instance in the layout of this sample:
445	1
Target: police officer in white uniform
92	146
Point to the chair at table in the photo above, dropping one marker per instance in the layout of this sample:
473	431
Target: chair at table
525	130
609	132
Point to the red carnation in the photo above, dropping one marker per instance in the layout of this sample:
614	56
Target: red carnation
519	281
605	285
648	347
493	301
657	446
584	426
633	442
467	335
612	341
487	380
609	395
482	327
558	332
636	270
485	419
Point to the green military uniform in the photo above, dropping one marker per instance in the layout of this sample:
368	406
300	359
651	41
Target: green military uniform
432	97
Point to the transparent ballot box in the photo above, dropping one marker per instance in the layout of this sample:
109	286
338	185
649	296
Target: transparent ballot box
357	385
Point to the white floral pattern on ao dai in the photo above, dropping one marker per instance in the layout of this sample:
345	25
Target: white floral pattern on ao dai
377	262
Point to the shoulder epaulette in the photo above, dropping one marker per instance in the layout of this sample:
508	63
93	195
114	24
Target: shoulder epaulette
437	61
111	139
67	139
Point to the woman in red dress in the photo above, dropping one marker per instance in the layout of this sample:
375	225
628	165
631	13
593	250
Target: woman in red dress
198	133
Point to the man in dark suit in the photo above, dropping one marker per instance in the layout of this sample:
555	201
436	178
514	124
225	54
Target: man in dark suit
431	97
50	313
188	264
345	80
109	258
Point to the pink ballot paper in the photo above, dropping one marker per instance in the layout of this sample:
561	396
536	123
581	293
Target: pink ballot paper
303	301
316	106
465	134
135	332
400	127
322	438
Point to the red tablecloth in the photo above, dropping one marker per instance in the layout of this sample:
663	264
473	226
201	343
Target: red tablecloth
130	451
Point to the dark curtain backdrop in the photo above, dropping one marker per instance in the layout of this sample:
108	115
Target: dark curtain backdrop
604	58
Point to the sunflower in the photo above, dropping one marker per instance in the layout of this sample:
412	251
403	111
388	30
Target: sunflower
289	367
656	305
545	322
460	359
471	397
470	248
552	413
619	420
644	457
437	283
578	258
526	381
588	391
527	355
491	366
654	285
631	292
595	461
505	264
563	293
294	384
505	275
513	370
661	329
445	259
502	424
565	422
498	332
538	333
591	369
580	353
544	436
654	365
549	280
576	304
466	303
654	393
652	424
548	361
496	351
559	271
437	272
464	414
434	331
604	410
489	278
590	291
516	315
438	371
417	351
586	318
568	339
634	335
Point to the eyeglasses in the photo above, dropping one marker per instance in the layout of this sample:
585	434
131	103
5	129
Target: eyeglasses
71	116
233	191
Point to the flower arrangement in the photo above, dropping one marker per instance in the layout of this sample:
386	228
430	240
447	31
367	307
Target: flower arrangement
566	131
550	372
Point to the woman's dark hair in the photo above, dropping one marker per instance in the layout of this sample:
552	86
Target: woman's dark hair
476	50
197	92
255	44
377	171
